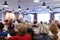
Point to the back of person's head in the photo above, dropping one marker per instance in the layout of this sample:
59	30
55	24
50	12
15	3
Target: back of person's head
1	25
12	32
34	25
19	21
2	38
50	21
41	22
27	24
13	21
30	31
34	22
22	30
6	20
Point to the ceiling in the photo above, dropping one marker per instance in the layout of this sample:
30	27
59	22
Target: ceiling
13	4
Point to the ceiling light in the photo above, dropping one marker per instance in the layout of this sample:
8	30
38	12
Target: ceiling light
48	8
43	5
5	4
19	8
13	10
33	11
27	10
36	1
3	9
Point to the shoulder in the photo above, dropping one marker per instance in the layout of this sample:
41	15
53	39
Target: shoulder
3	33
28	35
11	38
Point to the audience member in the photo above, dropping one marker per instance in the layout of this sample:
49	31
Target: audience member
22	35
11	25
54	29
1	30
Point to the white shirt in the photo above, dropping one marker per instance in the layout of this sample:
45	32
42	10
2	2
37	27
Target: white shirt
43	28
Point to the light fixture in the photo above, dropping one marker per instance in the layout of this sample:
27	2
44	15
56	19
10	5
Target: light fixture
3	9
19	8
5	4
33	11
48	8
43	5
13	10
36	1
51	10
27	10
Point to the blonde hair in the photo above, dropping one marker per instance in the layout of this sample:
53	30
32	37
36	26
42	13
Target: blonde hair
27	25
22	30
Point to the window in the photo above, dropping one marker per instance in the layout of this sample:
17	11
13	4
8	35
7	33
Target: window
57	16
2	16
43	17
32	17
29	17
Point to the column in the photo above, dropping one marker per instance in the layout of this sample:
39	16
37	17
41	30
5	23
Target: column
35	16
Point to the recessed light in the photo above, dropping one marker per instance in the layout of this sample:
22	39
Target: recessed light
5	5
36	1
19	8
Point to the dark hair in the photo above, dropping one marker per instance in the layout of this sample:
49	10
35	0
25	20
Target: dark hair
6	20
41	22
30	31
22	31
2	38
35	22
13	21
34	26
50	21
12	32
1	25
19	21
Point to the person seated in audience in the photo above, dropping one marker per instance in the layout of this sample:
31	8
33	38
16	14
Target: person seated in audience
2	33
35	23
11	34
2	38
50	21
46	24
11	25
31	32
43	31
18	25
54	29
23	35
27	24
35	29
6	23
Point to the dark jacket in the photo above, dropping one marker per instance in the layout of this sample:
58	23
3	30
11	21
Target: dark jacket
3	33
